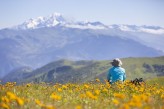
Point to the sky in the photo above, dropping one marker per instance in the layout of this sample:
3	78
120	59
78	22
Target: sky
132	12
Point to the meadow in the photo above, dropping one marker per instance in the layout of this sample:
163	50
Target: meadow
90	95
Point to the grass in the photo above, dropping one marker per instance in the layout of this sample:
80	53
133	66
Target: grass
90	95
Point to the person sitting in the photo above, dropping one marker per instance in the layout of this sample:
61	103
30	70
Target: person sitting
116	73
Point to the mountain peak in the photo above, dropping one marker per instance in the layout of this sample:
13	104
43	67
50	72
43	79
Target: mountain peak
39	22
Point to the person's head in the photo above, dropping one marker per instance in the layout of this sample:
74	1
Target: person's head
116	62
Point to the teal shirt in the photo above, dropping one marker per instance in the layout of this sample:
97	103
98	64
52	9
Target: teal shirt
116	74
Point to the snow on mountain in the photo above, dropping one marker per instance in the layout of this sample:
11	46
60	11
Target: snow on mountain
133	28
40	22
57	19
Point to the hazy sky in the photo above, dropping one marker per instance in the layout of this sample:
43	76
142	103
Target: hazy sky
138	12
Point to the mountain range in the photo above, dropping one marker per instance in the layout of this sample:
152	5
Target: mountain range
39	41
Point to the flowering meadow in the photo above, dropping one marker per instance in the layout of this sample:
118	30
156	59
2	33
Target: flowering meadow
91	95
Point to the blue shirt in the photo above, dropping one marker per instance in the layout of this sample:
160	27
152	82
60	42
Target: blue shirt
116	74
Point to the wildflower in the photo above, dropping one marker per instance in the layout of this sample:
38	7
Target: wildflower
116	102
86	86
118	95
64	87
38	102
82	95
28	85
97	92
5	99
3	105
162	96
19	101
11	95
78	107
55	97
97	80
48	107
105	90
90	95
141	89
59	90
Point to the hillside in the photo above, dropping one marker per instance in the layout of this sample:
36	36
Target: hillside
63	71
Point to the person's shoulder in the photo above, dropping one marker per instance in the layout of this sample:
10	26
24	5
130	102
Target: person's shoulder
122	69
111	68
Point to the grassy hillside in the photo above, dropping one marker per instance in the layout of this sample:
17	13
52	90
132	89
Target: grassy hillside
81	71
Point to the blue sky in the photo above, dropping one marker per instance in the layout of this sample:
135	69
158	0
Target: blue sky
138	12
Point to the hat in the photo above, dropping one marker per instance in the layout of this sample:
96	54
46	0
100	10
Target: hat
116	62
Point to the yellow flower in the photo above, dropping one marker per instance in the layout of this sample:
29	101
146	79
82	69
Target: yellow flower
82	95
116	102
97	92
19	101
11	95
86	86
78	107
90	95
55	97
48	107
28	85
59	90
118	95
3	105
64	87
105	90
97	80
141	89
38	102
136	88
5	99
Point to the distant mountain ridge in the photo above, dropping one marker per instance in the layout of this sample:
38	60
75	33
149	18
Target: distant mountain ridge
39	41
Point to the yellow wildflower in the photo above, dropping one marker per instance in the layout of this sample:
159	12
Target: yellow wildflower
5	99
28	85
19	101
55	97
48	107
162	96
105	90
11	95
116	102
64	87
97	92
3	105
90	95
38	102
78	107
97	80
59	90
86	86
118	95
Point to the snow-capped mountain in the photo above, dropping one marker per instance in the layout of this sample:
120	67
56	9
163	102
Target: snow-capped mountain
57	19
40	22
39	41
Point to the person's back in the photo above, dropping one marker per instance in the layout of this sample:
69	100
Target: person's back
116	73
